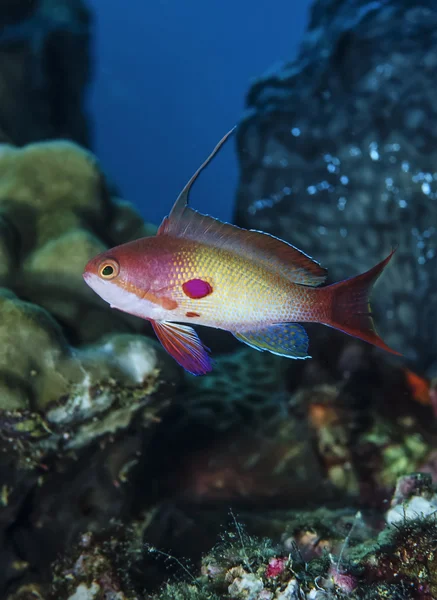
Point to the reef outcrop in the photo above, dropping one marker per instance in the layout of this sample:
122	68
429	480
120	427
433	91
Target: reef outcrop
337	155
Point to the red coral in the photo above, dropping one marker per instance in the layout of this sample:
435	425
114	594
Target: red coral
275	567
346	582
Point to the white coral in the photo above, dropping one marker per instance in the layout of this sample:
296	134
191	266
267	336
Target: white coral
247	586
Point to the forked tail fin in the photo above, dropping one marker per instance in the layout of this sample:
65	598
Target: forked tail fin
349	307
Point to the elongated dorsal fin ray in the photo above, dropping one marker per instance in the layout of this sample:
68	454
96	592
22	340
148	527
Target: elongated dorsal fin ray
183	198
275	254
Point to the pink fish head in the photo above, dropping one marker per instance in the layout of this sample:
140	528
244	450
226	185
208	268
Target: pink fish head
123	277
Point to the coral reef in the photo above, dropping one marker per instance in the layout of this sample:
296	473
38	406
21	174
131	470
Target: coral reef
322	554
95	570
80	392
117	470
337	156
364	561
343	425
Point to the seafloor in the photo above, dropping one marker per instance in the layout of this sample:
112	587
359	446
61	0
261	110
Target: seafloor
124	478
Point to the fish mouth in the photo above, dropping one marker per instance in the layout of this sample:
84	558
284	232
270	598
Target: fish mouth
94	281
102	288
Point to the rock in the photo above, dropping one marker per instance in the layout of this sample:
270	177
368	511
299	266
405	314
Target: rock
414	496
45	68
57	404
342	427
12	11
28	592
337	154
403	554
92	573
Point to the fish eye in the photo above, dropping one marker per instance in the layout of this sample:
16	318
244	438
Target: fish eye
109	269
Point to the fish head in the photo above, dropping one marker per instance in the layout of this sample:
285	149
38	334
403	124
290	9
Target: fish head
106	273
122	276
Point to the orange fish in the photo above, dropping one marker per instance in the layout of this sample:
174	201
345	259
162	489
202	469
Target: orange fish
420	386
202	271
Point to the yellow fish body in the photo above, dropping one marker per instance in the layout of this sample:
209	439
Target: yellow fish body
199	270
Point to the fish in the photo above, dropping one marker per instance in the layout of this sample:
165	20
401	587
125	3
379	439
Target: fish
198	270
419	386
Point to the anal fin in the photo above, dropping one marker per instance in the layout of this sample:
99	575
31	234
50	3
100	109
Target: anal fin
184	345
284	339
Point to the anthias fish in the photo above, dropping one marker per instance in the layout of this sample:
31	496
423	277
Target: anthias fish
201	271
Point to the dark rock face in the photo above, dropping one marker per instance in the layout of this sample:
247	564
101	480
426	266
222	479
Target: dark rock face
12	11
44	68
338	156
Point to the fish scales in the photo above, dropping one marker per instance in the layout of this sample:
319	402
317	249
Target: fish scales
244	293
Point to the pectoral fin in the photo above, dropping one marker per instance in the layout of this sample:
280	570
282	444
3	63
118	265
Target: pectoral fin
184	345
283	339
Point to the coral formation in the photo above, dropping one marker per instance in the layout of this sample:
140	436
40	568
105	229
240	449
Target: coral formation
56	212
344	425
74	377
361	558
336	156
400	565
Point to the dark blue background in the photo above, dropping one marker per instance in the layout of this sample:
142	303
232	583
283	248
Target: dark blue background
171	78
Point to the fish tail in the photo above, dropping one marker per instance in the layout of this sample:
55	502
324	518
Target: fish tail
348	305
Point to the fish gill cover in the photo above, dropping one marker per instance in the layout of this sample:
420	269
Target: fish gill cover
122	477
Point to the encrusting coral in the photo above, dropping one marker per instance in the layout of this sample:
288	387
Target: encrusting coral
369	562
361	556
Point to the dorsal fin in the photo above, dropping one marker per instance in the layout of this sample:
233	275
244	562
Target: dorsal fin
171	224
277	255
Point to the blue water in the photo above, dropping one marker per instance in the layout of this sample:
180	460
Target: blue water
171	78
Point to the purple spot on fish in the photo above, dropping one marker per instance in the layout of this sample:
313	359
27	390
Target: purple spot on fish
197	288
